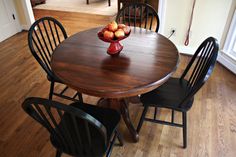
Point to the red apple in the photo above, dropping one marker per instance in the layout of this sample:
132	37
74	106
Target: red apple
119	33
121	26
126	29
104	29
108	35
112	26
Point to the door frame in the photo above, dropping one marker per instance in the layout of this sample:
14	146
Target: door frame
161	14
30	16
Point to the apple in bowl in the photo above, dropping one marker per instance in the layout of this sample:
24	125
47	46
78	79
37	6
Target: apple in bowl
127	30
113	26
121	26
113	33
119	33
108	35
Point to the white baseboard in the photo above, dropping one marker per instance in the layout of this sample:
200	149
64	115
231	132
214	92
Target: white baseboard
222	59
186	50
227	62
25	27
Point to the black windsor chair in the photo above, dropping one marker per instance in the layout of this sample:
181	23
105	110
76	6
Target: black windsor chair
43	37
78	129
177	94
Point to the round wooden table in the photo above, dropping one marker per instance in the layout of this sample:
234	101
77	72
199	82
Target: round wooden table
147	60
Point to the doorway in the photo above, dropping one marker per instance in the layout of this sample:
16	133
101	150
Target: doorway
161	12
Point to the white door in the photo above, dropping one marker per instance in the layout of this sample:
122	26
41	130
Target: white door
8	23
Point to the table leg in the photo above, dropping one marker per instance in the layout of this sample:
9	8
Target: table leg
125	114
122	107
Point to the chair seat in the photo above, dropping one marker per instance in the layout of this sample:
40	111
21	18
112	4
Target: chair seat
169	95
108	117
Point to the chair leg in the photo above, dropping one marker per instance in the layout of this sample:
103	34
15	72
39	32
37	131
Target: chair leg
142	118
184	117
172	116
120	139
87	1
111	145
51	90
109	3
80	97
155	113
118	5
58	153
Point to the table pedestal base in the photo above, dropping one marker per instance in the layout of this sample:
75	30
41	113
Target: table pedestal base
121	106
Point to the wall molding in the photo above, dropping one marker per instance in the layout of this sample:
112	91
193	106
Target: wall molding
186	50
226	62
25	27
222	58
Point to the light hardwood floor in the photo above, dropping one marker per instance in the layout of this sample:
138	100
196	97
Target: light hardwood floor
211	121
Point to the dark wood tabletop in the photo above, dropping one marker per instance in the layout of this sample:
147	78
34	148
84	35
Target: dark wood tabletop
147	60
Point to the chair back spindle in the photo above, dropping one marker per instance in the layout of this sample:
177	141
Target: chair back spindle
43	37
139	15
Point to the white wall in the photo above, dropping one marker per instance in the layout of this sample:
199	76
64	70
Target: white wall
210	19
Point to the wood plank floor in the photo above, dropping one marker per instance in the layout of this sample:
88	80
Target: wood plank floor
211	121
